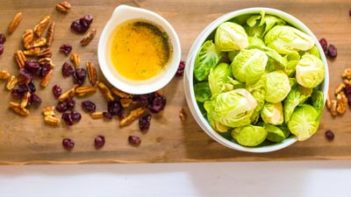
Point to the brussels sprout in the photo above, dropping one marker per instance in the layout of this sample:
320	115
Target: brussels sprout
219	79
318	100
287	39
252	21
276	134
304	122
314	51
277	86
296	96
309	71
255	31
233	108
249	135
258	92
249	65
272	113
202	92
271	21
232	54
207	57
215	124
231	36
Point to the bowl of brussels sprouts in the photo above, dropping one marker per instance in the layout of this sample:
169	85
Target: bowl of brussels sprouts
257	80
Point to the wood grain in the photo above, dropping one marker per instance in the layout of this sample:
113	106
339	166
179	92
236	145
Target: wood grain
28	140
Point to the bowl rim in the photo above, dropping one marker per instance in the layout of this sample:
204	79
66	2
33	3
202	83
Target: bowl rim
188	77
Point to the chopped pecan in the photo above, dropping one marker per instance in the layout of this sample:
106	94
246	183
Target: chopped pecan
4	75
45	81
11	82
88	37
32	52
133	115
97	115
52	120
14	23
68	94
105	91
25	100
182	114
16	107
41	26
120	94
125	102
63	7
92	74
347	73
45	53
27	38
38	43
75	59
85	90
20	58
50	34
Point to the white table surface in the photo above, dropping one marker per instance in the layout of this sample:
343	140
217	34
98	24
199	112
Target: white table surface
313	178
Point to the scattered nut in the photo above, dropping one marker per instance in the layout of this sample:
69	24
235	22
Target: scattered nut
133	115
52	120
45	53
92	74
14	23
50	34
27	38
182	114
48	111
41	26
120	94
63	7
88	37
11	82
333	106
4	75
75	59
68	94
97	115
105	91
32	52
45	81
18	110
38	43
25	100
85	90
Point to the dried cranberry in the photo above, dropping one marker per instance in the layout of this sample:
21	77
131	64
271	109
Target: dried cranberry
145	99
70	104
34	100
61	107
134	140
79	76
157	104
44	69
332	51
31	87
88	19
67	118
329	135
77	27
2	38
76	117
24	76
107	115
114	108
67	69
68	144
82	25
56	91
181	68
324	45
1	49
144	122
88	106
347	91
65	49
99	141
19	91
32	66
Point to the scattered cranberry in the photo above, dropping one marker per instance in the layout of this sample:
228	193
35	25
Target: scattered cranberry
1	49
2	38
324	45
32	66
44	69
70	103
19	91
76	117
82	25
88	106
329	135
134	140
107	115
61	106
99	141
65	49
67	118
157	104
79	76
31	87
181	68
144	122
57	91
24	76
347	91
67	69
68	144
34	100
115	108
332	51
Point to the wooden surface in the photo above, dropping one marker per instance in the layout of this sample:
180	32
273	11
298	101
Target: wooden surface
28	140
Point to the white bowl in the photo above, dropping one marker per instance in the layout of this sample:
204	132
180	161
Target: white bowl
124	13
188	77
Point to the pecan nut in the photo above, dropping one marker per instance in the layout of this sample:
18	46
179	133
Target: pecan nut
27	38
340	88
120	94
41	26
52	120
11	82
68	94
85	90
50	34
75	59
97	115
4	75
46	60
25	100
63	7
18	109
105	91
45	81
48	111
32	52
92	74
38	43
133	115
347	73
333	106
45	53
88	38
14	23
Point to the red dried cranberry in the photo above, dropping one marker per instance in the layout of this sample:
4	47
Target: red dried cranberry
44	69
31	87
65	49
67	69
107	115
324	45
332	51
82	25
34	100
1	49
181	68
114	108
145	99
57	91
32	66
99	141
329	135
2	38
79	76
88	106
134	140
144	122
76	117
77	27
157	104
70	104
67	118
61	107
68	144
24	76
19	91
88	19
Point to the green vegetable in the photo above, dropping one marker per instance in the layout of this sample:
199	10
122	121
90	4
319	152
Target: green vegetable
258	91
318	100
272	113
249	65
297	96
202	92
309	71
207	57
232	54
277	86
233	108
304	122
249	135
231	36
215	124
219	79
276	134
314	51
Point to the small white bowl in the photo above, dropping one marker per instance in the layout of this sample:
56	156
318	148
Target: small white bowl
124	13
188	77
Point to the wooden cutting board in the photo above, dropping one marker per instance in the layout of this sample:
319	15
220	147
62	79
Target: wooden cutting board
28	140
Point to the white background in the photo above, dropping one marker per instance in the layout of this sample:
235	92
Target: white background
313	178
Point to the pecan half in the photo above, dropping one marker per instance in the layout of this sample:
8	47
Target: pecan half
27	38
45	81
52	120
20	58
38	42
16	107
75	59
125	102
120	94
4	75
48	111
32	52
68	94
63	7
97	115
14	23
45	53
50	34
88	37
333	106
133	115
105	91
92	74
85	90
25	100
41	26
11	82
